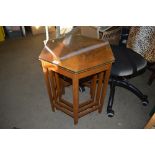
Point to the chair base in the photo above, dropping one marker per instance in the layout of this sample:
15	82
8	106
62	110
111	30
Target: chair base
121	82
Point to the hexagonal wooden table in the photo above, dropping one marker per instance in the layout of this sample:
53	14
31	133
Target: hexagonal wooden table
95	63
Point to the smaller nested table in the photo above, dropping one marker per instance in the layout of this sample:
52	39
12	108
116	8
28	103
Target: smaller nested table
95	64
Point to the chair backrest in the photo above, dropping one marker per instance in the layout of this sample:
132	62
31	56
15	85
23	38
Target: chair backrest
141	39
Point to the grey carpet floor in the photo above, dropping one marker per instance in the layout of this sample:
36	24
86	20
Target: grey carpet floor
24	102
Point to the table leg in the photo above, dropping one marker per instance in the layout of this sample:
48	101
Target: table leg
75	99
53	85
104	88
99	88
58	86
93	87
46	76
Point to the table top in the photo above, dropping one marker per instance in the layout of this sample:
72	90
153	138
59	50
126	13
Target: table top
84	53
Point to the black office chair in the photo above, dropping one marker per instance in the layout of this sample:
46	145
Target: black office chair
127	64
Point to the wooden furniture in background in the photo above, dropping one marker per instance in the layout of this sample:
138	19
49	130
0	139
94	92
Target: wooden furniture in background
41	29
112	34
151	123
108	33
90	31
95	64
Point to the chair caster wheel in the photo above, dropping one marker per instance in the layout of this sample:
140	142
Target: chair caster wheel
145	102
110	113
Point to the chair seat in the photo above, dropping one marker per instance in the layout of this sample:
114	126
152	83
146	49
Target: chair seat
127	62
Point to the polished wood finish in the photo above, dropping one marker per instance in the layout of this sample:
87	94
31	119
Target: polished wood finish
81	62
95	64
